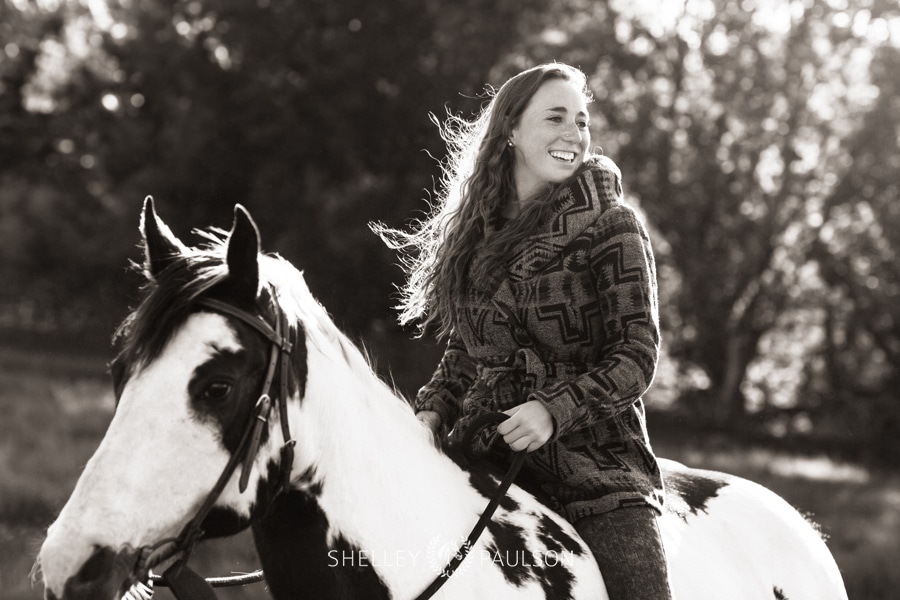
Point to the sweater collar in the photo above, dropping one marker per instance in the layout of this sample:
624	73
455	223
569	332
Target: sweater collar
577	207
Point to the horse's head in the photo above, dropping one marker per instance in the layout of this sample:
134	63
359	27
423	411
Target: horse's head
188	380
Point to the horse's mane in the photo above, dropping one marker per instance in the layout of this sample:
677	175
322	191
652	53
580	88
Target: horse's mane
168	299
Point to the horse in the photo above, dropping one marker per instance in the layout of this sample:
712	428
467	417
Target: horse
347	495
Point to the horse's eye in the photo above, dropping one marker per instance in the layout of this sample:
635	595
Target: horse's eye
217	390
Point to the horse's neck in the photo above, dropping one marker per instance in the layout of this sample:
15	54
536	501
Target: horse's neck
384	487
292	542
379	464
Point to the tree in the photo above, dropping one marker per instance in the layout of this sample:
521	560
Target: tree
313	114
724	120
857	372
755	138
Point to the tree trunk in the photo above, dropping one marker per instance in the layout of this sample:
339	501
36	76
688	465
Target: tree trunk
731	400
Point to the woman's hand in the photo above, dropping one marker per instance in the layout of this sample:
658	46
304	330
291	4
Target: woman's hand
528	427
430	420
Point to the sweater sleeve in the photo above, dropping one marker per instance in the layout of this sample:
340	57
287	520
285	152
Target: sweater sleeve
451	380
624	274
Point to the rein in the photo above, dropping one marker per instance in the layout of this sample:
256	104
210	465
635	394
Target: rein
456	560
186	584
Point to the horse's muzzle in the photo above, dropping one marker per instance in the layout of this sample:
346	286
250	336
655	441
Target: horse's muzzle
106	575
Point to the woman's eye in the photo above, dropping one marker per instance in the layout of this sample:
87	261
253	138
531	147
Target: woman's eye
217	391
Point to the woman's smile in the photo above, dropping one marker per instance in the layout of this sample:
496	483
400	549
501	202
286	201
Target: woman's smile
551	137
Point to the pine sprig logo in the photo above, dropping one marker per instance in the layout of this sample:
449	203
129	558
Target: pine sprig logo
442	554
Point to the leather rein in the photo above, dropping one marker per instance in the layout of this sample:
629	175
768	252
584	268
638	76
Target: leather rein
186	584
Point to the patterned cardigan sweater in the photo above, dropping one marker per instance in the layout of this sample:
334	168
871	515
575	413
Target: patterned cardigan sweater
572	323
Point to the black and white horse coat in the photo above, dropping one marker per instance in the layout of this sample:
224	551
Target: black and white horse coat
374	509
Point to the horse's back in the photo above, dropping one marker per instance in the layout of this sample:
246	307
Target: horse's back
727	537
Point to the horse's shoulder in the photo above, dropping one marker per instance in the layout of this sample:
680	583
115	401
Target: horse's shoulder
690	491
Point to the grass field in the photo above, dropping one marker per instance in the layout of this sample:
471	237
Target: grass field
54	410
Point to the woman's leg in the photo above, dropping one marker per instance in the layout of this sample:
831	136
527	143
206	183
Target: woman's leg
628	547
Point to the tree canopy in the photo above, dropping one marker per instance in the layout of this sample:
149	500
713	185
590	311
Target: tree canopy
760	138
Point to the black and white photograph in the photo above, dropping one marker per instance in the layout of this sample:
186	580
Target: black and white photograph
449	299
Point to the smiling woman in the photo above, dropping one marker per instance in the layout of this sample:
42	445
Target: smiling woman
504	156
544	281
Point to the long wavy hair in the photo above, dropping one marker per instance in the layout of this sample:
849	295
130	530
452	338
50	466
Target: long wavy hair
477	179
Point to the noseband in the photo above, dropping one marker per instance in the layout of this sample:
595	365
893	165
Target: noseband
183	582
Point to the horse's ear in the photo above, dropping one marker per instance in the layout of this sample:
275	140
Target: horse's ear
243	257
161	247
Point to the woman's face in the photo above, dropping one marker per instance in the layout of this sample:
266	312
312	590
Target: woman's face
551	138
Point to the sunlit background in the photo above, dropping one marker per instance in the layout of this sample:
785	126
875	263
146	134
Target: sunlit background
760	139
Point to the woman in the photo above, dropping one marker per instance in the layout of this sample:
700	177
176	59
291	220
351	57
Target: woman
545	284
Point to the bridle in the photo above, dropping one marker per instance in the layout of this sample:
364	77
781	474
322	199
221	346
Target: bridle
184	583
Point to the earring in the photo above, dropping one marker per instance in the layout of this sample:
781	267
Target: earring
510	143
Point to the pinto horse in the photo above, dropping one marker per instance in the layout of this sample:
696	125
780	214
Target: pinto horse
346	493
